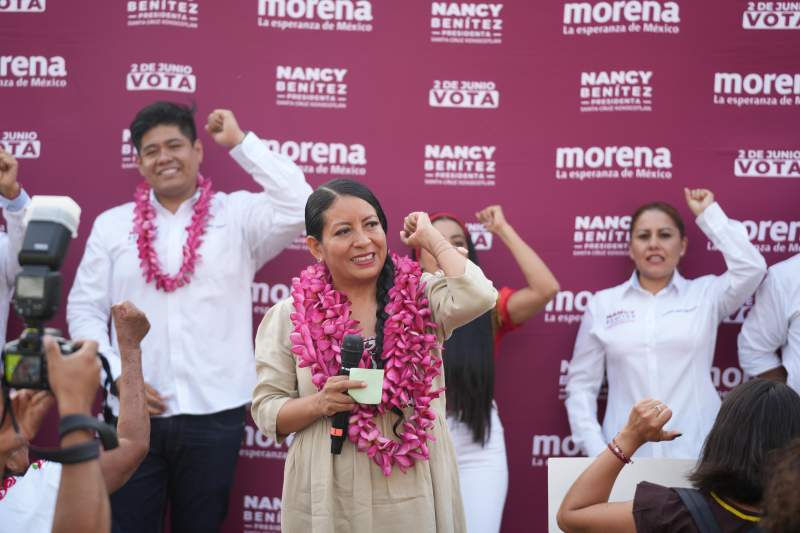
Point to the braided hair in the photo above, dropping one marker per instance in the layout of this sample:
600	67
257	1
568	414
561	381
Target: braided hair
316	205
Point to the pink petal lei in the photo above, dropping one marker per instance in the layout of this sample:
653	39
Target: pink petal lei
321	319
6	485
144	226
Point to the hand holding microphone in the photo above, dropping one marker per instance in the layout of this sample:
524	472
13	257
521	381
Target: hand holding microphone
333	397
352	349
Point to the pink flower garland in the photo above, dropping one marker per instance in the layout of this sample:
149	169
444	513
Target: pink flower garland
322	319
143	224
7	483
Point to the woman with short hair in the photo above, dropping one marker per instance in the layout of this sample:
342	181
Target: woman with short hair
654	335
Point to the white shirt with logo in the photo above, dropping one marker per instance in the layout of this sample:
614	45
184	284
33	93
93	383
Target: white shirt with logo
660	346
774	323
28	503
199	352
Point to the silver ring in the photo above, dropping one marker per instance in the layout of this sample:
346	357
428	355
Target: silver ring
658	408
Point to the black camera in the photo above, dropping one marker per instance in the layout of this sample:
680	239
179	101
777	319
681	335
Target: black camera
37	290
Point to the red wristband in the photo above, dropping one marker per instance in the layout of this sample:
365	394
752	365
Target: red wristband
616	450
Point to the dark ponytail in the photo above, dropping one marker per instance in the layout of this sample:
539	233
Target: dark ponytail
469	375
469	365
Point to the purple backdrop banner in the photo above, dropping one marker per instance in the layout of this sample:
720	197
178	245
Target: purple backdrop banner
569	114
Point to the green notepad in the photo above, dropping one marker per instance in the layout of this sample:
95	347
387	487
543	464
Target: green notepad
373	377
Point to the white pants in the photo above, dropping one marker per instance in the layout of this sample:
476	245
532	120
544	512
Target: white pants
483	472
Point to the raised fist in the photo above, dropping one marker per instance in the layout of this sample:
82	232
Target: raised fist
417	230
698	199
646	422
8	175
492	218
223	128
130	323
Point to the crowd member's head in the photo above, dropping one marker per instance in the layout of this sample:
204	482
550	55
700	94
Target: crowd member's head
755	418
782	496
346	229
658	240
168	150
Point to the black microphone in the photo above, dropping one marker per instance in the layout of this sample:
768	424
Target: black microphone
352	349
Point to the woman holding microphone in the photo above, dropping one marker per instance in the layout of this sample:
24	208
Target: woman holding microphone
398	470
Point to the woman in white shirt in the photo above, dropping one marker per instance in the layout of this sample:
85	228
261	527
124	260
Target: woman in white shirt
654	335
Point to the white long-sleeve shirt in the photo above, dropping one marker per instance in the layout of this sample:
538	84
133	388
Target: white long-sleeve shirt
199	352
660	346
774	323
10	244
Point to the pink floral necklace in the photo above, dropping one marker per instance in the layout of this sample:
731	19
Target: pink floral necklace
322	319
6	485
144	225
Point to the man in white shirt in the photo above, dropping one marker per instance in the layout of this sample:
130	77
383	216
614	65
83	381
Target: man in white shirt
13	200
774	324
186	256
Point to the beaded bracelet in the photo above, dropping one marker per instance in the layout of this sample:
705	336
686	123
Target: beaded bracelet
616	450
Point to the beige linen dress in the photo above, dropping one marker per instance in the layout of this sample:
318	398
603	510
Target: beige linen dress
324	493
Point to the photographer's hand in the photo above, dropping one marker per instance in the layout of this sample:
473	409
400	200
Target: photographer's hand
30	408
82	503
10	440
37	404
74	380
